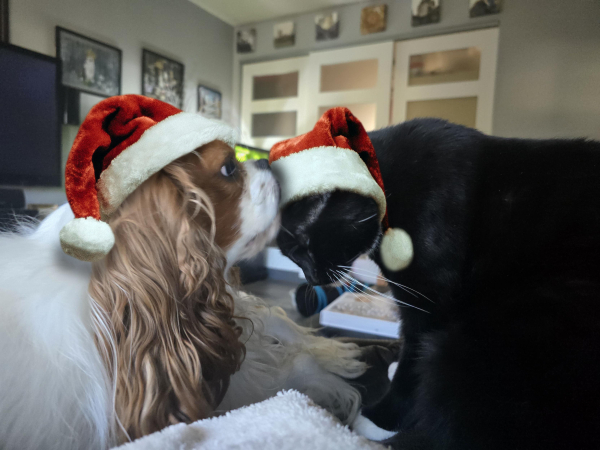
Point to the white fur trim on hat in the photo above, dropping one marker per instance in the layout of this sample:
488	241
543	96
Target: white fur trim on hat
324	169
158	146
396	249
87	239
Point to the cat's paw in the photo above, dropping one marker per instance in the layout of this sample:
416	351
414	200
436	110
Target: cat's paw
392	370
368	429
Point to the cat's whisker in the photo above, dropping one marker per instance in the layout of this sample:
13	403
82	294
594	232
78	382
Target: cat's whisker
366	272
287	231
387	280
313	298
338	280
352	288
350	278
364	220
293	249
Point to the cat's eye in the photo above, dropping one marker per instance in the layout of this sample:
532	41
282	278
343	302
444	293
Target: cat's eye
229	168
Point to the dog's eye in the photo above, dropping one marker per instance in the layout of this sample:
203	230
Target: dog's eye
228	168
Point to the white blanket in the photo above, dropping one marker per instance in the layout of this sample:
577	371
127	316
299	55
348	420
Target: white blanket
289	421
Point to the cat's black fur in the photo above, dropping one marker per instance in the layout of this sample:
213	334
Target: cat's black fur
506	236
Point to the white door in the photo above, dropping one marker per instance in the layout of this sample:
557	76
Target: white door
450	76
356	77
272	96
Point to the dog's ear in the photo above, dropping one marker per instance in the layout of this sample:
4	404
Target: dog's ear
163	293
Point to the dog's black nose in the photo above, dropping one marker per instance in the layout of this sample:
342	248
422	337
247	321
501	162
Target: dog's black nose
262	164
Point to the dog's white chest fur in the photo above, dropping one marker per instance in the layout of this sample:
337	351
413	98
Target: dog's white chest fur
54	389
52	381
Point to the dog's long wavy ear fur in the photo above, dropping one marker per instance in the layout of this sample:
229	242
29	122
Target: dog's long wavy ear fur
164	319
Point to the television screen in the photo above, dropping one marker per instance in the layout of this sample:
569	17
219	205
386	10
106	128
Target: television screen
29	118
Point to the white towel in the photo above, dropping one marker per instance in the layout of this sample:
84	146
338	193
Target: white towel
289	421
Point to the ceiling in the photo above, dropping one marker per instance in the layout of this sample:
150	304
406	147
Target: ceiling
239	12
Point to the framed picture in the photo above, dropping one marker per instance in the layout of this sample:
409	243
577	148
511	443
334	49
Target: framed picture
327	26
479	8
162	78
246	40
284	34
373	19
88	65
425	12
209	102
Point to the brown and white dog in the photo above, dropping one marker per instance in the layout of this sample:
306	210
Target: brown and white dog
93	354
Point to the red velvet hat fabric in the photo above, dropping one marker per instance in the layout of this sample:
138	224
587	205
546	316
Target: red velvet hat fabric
110	127
337	127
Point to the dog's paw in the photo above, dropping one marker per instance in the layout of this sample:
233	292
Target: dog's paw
368	429
340	358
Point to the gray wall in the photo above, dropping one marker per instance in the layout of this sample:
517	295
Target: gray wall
174	28
548	81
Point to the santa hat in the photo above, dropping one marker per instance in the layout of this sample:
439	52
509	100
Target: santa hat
338	155
121	143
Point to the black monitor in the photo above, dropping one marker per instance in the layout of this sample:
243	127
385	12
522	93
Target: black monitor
30	127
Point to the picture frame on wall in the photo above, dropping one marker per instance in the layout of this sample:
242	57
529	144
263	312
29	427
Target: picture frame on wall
373	19
162	78
425	12
246	40
478	8
88	65
284	34
327	26
209	102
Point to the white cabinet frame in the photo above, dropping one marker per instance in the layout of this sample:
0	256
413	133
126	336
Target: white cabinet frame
379	94
483	88
250	106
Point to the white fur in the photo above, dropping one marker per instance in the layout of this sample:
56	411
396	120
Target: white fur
53	386
324	169
368	429
259	213
279	353
54	389
392	370
282	355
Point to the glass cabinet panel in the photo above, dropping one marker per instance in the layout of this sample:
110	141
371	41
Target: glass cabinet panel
349	76
444	67
274	124
462	111
275	86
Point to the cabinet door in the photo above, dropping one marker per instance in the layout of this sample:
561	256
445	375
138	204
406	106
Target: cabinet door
356	77
272	96
451	77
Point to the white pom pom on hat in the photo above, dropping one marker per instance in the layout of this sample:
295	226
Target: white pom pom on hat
122	142
87	239
338	154
396	249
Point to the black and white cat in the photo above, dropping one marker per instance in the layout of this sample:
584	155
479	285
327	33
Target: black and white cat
503	351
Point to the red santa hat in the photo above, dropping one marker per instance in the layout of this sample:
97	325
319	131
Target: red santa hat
338	155
121	143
